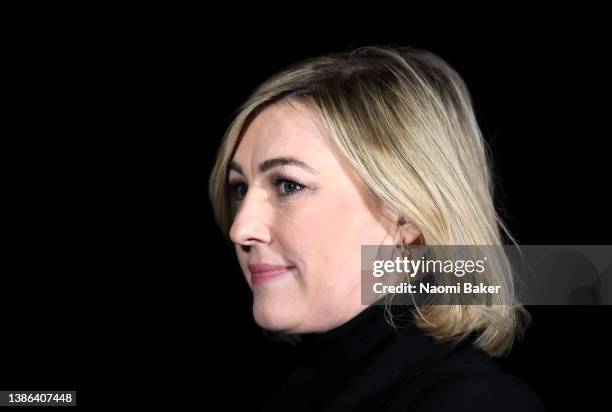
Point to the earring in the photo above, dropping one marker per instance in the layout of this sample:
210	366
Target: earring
400	222
403	246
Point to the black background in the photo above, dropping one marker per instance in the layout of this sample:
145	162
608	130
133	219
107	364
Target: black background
116	281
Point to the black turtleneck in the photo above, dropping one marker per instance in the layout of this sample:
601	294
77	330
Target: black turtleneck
367	365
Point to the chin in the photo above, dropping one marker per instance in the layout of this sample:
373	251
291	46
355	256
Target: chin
276	316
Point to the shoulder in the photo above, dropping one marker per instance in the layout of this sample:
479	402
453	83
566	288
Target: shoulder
478	391
468	380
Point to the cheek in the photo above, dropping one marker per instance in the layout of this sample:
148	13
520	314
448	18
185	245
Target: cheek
326	240
322	225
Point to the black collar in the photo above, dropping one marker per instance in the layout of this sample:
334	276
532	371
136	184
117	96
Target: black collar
348	343
353	366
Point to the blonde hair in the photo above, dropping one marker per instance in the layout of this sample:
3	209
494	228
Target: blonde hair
403	119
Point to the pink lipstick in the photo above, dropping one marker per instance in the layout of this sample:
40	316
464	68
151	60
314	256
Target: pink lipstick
263	272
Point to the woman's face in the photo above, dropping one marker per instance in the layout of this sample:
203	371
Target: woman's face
299	208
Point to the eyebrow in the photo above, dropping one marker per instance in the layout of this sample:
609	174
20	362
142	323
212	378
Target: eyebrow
275	162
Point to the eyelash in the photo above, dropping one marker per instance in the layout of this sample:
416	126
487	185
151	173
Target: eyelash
235	186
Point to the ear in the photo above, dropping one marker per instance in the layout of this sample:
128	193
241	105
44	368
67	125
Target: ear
409	232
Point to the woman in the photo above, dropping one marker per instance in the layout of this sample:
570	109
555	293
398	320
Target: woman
378	146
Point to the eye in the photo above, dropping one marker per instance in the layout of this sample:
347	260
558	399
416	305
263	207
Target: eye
238	190
288	187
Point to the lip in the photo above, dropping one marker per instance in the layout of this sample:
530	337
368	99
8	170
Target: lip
263	272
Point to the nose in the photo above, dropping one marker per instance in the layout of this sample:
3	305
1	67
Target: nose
250	225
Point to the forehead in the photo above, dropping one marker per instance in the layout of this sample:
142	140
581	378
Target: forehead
283	128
